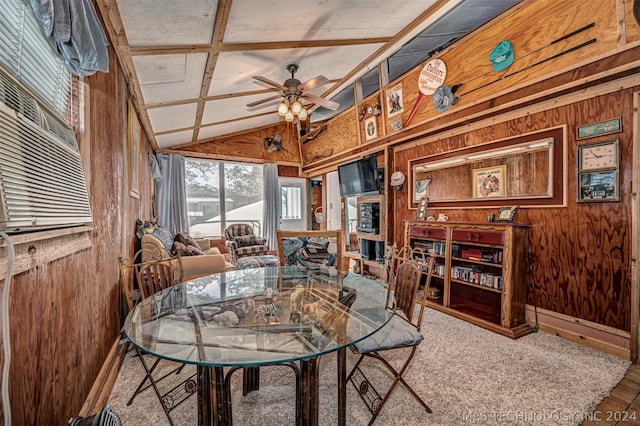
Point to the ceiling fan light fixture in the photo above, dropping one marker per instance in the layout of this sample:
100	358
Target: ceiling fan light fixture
303	114
289	116
296	107
283	108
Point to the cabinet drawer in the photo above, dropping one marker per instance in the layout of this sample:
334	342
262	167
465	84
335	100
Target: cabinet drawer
423	231
476	236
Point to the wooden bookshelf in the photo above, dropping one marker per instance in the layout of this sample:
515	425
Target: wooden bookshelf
480	271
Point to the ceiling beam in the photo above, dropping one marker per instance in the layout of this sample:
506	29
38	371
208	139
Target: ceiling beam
240	47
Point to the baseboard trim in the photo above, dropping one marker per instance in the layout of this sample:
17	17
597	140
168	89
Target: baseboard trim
102	386
597	336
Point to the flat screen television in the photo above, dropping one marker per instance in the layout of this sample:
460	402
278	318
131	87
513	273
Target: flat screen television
359	177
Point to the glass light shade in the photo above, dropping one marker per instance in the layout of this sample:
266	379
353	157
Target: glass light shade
296	107
289	116
283	108
303	114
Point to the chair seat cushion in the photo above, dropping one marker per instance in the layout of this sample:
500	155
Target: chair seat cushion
397	332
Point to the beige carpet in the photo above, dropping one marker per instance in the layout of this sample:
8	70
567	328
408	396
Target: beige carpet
465	373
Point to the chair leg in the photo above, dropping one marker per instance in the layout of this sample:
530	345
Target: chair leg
155	388
368	393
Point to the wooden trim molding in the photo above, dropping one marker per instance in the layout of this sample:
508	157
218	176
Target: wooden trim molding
37	248
587	333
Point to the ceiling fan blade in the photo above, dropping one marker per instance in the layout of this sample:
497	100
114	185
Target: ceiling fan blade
322	101
261	101
270	82
317	81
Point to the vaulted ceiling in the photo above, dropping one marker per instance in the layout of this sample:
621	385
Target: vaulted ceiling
191	62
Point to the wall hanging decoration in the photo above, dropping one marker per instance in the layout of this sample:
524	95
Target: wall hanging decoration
370	128
602	128
489	181
134	151
598	171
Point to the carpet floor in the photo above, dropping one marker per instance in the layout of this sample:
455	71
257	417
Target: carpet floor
465	374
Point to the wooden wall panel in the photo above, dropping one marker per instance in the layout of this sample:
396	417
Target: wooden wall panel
248	146
468	59
582	263
66	314
632	26
341	135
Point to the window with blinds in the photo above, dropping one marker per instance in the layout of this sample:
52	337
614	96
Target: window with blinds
42	182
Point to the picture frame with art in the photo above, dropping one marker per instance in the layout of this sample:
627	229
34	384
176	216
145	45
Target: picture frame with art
507	214
370	128
134	151
393	99
489	182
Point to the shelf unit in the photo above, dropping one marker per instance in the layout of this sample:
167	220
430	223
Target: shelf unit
480	271
372	266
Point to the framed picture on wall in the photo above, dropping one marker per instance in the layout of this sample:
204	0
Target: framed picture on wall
489	181
134	151
601	186
393	98
370	128
420	189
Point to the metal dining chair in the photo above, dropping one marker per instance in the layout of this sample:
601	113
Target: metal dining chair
141	280
410	270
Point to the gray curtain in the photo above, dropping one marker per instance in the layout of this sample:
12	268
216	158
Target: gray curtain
271	197
171	194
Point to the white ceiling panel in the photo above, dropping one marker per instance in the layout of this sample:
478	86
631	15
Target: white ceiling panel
234	70
166	78
207	132
219	110
319	20
168	46
167	22
172	117
178	138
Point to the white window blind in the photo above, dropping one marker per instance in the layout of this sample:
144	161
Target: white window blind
34	60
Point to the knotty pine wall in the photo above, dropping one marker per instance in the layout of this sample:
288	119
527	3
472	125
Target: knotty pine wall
66	314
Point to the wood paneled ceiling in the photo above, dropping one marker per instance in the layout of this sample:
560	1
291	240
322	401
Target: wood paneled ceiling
191	62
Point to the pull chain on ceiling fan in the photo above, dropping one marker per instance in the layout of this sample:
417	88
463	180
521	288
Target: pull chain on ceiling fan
293	92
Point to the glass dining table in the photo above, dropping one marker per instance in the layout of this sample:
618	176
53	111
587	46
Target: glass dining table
248	318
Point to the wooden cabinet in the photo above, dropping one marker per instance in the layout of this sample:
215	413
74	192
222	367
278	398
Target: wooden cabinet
480	272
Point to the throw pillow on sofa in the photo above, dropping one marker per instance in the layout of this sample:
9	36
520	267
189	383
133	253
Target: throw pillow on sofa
186	250
187	241
246	240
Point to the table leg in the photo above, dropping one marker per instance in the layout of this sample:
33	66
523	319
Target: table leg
250	379
342	387
310	391
211	397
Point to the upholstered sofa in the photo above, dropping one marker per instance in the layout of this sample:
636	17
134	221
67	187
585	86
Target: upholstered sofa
210	262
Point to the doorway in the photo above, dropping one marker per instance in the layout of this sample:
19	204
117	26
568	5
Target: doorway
334	213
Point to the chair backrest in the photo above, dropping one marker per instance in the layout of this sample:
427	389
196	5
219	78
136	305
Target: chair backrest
238	230
155	276
410	270
132	284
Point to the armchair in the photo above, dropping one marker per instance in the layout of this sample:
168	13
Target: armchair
241	242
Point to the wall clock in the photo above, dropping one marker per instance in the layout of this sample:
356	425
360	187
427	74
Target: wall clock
597	156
